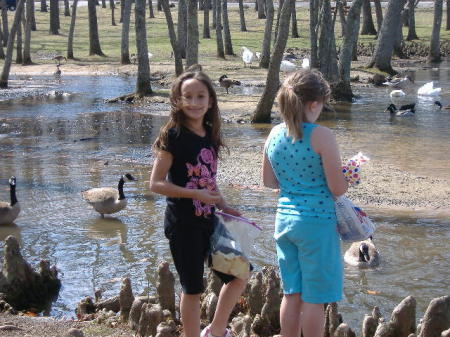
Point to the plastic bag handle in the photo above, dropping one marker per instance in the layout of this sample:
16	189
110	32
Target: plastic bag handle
240	218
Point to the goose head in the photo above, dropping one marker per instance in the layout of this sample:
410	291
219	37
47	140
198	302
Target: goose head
439	104
363	252
221	78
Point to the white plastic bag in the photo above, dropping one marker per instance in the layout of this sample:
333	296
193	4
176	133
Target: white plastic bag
352	223
231	244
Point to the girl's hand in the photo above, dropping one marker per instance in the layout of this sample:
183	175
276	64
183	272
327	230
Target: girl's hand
208	197
231	211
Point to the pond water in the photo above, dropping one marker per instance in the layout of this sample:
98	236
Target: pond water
59	145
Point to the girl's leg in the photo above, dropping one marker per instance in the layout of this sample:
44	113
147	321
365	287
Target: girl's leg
290	309
312	320
190	314
228	297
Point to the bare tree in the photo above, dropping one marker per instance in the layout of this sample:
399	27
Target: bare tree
261	13
382	56
368	27
378	13
313	32
398	41
5	26
264	107
112	6
66	8
327	44
341	10
143	86
448	15
435	52
214	14
19	55
72	30
94	41
150	8
294	30
226	29
10	46
242	16
265	51
192	33
54	17
412	35
103	3
124	41
277	23
219	39
27	40
173	38
342	89
206	31
182	27
122	5
44	6
2	52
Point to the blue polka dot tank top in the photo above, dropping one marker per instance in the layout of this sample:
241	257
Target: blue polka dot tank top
300	174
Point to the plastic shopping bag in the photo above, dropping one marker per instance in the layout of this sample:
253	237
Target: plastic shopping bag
231	244
352	223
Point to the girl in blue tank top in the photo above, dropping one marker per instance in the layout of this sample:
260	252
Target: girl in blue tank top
302	160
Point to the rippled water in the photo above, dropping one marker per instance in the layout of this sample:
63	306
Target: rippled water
60	145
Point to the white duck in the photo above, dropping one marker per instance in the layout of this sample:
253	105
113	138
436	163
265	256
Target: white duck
305	63
10	210
247	56
362	254
428	90
108	200
287	66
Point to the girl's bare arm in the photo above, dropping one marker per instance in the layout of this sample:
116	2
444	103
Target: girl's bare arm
268	176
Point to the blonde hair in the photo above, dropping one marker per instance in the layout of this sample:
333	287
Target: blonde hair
303	86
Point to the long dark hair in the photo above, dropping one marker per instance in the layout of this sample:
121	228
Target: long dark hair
211	120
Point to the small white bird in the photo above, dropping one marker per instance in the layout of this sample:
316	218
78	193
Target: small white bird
258	55
397	93
108	200
287	66
247	56
428	90
305	63
10	210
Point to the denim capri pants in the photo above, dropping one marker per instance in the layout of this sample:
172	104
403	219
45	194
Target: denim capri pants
309	257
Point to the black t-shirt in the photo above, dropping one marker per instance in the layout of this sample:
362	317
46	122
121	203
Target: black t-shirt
194	166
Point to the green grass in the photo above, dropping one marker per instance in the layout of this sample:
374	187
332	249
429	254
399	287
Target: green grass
44	45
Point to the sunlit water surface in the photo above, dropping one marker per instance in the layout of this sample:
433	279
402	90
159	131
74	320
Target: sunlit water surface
59	145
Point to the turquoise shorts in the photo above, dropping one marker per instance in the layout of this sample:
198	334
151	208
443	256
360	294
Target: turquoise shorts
309	257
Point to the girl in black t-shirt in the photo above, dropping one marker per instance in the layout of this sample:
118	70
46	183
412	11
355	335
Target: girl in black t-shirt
185	171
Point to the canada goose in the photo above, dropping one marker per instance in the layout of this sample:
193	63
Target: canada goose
226	82
57	73
400	83
362	254
247	56
439	104
287	66
58	59
428	90
10	210
108	200
403	111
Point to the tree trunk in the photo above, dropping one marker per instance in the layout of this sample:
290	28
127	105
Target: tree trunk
265	51
94	41
27	42
67	8
368	27
242	16
10	46
143	86
54	12
206	31
294	32
378	13
192	33
214	14
173	38
103	3
340	7
124	42
2	52
398	41
122	5
226	29
327	44
382	55
343	89
182	27
265	104
5	26
19	58
313	31
448	15
150	8
219	39
72	30
280	6
44	6
435	52
158	5
411	22
256	5
112	6
261	14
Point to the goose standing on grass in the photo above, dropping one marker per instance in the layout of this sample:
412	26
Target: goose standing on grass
226	82
428	90
403	111
10	210
362	254
108	200
247	56
59	58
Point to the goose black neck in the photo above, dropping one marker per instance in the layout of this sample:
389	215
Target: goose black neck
361	258
120	188
12	193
